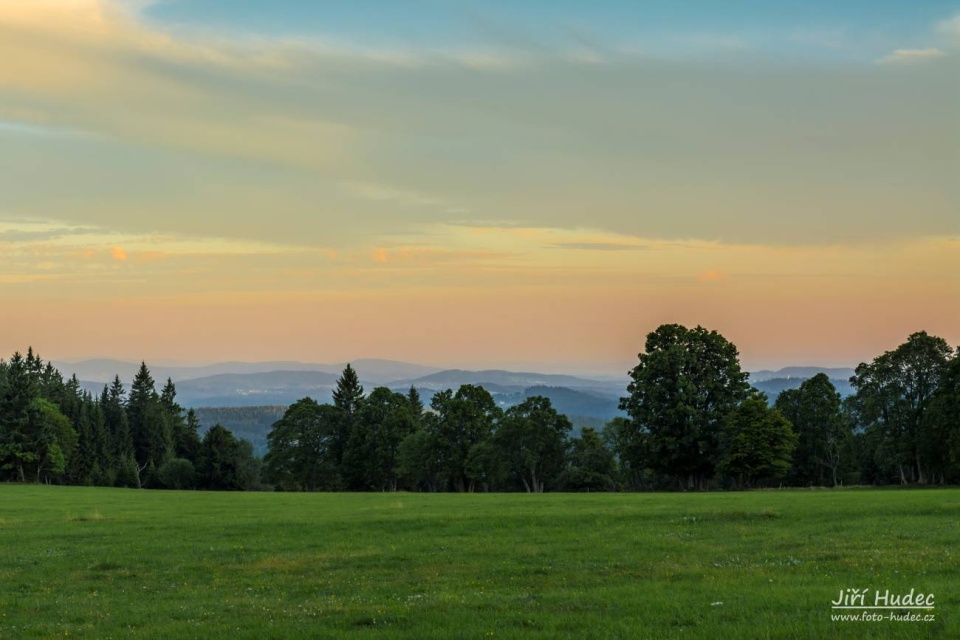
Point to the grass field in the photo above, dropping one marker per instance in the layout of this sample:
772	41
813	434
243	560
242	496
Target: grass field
102	563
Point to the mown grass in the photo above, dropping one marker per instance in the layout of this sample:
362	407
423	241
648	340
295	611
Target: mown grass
105	563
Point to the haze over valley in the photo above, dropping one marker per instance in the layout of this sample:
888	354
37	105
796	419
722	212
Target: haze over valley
248	397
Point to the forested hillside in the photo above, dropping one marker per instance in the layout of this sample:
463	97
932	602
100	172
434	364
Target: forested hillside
688	419
250	423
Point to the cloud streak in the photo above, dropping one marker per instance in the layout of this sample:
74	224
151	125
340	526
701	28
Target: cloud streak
599	246
912	56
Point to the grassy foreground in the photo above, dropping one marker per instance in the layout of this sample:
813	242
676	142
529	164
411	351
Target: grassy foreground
101	563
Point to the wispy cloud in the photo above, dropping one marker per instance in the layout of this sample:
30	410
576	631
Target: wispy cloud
325	142
31	129
600	246
912	56
401	197
950	28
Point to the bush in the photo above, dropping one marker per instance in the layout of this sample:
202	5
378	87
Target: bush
177	474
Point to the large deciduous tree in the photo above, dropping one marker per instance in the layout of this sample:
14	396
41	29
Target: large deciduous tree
532	437
463	419
382	422
893	394
302	448
942	422
685	385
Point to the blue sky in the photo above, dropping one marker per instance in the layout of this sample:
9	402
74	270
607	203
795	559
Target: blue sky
851	28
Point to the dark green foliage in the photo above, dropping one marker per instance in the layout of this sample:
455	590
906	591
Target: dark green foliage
823	432
941	423
249	467
462	420
486	466
113	403
592	466
756	443
416	404
418	459
302	455
687	382
691	420
217	466
177	473
381	423
631	449
186	437
18	436
349	392
893	395
128	473
532	439
149	423
36	439
184	430
56	441
250	423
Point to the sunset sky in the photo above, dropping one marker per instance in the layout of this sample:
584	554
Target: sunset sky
531	184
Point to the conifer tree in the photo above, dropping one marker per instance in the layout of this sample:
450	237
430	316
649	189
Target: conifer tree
349	393
112	403
347	398
20	392
416	404
152	439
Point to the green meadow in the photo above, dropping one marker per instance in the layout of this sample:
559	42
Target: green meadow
114	563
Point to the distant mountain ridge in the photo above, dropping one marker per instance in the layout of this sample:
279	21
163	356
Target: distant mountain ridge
237	384
775	386
836	373
372	369
243	396
452	378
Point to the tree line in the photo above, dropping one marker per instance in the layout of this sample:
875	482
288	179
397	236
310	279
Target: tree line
693	423
51	430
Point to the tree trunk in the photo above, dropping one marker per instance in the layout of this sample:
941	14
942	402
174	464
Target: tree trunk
526	485
921	477
537	486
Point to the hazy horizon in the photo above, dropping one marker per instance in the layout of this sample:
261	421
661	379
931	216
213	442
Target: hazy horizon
570	368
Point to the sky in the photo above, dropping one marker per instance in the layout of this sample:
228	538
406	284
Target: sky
496	184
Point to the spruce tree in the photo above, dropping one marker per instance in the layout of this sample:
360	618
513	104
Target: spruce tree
416	403
112	403
152	439
188	440
349	393
19	395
